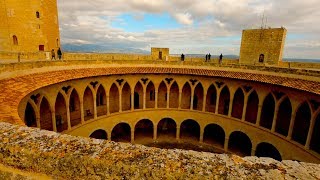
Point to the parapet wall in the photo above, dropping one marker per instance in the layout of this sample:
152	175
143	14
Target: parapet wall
69	157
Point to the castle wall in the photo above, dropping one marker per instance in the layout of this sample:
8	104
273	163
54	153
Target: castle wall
266	42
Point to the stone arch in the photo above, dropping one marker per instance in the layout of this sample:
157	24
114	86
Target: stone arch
267	112
240	143
302	123
45	115
252	107
150	95
143	131
284	117
114	99
315	138
190	129
166	128
88	104
174	96
162	95
238	103
61	113
74	108
198	97
214	134
101	101
121	133
268	150
211	99
224	101
30	116
126	97
138	96
99	134
186	96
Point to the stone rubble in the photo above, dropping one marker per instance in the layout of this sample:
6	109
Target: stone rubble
68	157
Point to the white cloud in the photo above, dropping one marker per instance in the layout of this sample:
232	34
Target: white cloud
183	18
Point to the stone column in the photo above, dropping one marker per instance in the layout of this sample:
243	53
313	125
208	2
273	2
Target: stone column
155	131
201	135
156	99
310	132
54	123
68	114
293	118
178	133
180	99
191	99
108	104
217	103
204	101
132	135
144	97
95	112
253	152
38	119
259	114
120	101
274	121
226	144
132	101
230	107
168	97
81	112
244	111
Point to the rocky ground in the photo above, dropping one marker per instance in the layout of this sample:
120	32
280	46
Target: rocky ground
67	157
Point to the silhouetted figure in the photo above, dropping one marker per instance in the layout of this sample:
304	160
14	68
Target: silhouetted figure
206	57
182	57
59	53
209	56
220	58
53	55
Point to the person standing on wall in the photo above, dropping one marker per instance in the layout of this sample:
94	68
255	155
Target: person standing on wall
53	55
59	53
209	57
220	58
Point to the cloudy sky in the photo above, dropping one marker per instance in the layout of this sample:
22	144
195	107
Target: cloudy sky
188	26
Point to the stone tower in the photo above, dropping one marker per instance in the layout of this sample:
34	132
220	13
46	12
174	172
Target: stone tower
262	45
29	25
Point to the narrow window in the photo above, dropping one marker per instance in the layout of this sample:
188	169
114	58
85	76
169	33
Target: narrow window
41	47
261	58
37	14
15	40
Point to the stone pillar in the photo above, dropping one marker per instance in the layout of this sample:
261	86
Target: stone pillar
38	119
68	114
109	135
259	114
81	112
310	132
144	97
217	103
178	133
156	99
132	135
204	101
293	118
132	101
230	106
95	112
253	152
244	111
120	101
191	99
180	99
155	131
108	104
54	123
168	97
226	144
274	121
201	135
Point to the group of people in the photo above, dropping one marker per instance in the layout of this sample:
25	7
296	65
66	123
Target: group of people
208	57
53	54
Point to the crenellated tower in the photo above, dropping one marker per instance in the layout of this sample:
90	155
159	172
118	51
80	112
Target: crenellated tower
29	25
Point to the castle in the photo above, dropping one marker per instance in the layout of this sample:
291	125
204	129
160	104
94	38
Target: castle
254	106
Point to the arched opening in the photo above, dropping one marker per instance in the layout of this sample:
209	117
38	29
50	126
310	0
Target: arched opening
267	112
252	107
99	134
162	95
143	132
88	104
186	96
268	150
237	106
211	99
198	97
315	138
74	107
30	116
190	130
114	99
45	115
126	97
214	134
138	96
121	133
61	113
174	96
240	144
284	117
166	128
101	101
150	95
301	124
37	14
261	58
224	101
15	40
